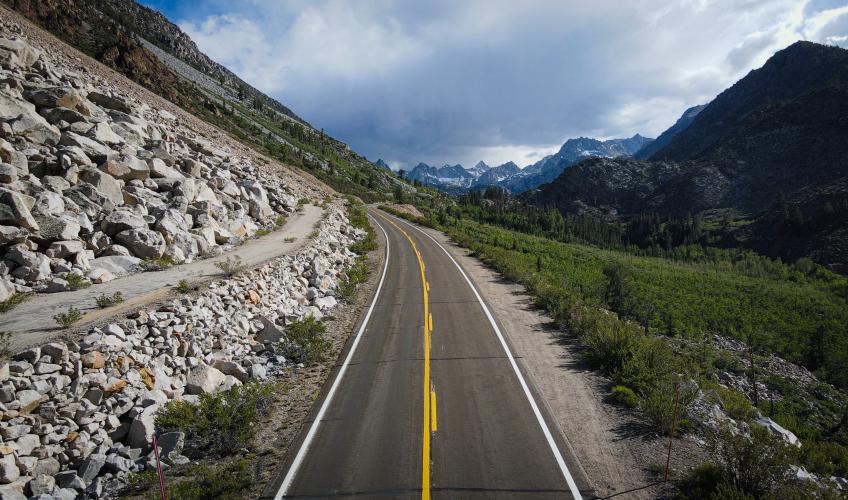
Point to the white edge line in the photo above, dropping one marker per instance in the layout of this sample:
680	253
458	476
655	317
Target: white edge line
575	492
304	447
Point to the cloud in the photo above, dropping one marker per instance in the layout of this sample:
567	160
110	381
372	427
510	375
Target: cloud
444	81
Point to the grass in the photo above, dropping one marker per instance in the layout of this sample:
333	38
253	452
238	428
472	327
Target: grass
104	301
263	232
183	286
14	301
357	217
219	423
280	221
68	318
231	266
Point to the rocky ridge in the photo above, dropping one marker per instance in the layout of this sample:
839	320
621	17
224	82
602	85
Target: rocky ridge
93	182
78	416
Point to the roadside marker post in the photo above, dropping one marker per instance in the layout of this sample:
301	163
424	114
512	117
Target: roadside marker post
671	429
159	469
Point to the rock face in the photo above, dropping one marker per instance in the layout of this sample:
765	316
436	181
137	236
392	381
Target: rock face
92	179
78	415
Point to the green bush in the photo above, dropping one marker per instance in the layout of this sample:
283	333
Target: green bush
305	342
68	318
157	263
757	465
219	423
231	266
77	281
652	361
657	404
103	301
624	396
280	221
262	232
183	286
609	342
356	275
196	482
15	300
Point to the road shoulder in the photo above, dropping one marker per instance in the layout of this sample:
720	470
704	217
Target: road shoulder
572	394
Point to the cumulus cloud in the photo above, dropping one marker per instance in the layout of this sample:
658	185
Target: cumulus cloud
445	81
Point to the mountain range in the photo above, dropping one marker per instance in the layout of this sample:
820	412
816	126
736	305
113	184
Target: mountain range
456	178
764	163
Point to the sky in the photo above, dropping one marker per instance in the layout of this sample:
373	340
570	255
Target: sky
458	81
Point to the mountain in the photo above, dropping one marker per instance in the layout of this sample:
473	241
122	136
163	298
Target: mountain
494	176
382	164
664	138
479	169
572	151
150	50
449	178
768	152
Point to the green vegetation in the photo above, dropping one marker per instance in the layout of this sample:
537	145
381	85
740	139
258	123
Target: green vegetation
280	221
15	300
305	341
263	232
664	313
624	396
77	281
183	286
356	275
157	263
196	482
231	266
68	318
219	423
104	301
358	218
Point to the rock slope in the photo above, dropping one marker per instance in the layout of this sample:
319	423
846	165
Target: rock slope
78	416
94	182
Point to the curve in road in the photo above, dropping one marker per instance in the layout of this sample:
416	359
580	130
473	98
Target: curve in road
489	438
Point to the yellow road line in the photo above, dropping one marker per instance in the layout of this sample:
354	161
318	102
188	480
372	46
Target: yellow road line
429	416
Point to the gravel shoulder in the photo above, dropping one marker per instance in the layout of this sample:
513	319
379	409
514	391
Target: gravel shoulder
32	322
611	445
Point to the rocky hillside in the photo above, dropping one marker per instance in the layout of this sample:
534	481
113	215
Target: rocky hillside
764	162
662	141
148	49
96	184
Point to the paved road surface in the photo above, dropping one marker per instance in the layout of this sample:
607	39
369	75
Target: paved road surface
402	419
32	322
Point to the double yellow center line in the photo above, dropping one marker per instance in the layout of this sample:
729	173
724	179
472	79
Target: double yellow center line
430	421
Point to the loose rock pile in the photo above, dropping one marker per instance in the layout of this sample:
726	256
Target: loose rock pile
92	182
78	417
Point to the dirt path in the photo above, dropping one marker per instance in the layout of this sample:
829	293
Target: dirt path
573	395
32	322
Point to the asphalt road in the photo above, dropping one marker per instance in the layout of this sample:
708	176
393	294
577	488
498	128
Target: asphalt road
402	418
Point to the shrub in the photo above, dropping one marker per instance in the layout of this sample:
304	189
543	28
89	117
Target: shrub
157	263
263	232
15	300
305	340
199	482
609	341
624	396
755	465
77	281
183	286
218	423
104	301
355	275
657	404
231	266
68	318
280	221
651	361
